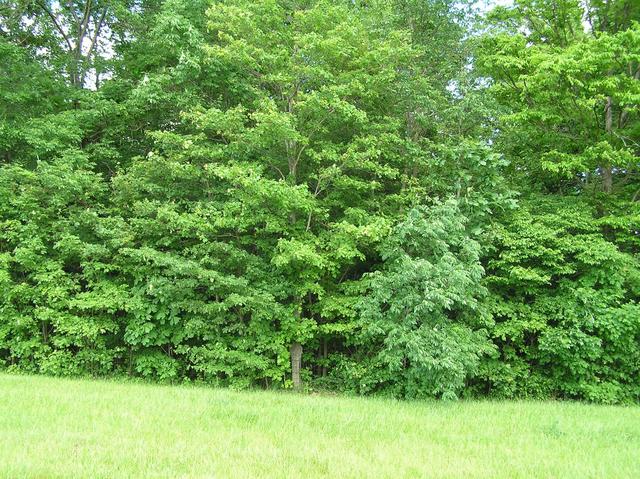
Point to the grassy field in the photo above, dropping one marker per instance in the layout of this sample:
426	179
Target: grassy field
52	428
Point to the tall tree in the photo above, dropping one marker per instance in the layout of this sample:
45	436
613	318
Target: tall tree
571	95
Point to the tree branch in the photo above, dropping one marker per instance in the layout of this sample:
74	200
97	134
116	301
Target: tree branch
83	30
94	39
56	24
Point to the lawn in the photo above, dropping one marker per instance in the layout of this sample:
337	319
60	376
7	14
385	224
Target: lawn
52	428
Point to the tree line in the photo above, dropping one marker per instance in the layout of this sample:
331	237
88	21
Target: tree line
411	198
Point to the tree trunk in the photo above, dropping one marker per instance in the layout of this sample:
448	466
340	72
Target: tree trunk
607	174
324	356
607	179
293	153
296	364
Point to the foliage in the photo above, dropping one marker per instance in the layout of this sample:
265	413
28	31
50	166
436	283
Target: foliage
422	310
424	202
564	299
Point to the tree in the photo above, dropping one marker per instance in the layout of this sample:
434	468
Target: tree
76	38
565	302
323	94
563	274
571	96
423	309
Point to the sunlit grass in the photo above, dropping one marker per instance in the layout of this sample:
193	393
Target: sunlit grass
52	428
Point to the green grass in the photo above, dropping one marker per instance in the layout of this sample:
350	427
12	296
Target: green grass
53	428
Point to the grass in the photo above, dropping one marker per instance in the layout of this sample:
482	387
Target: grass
52	428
